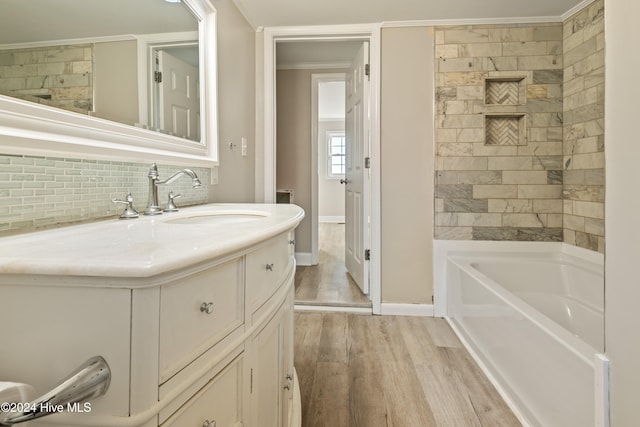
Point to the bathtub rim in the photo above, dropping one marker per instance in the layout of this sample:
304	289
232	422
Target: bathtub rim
443	248
562	336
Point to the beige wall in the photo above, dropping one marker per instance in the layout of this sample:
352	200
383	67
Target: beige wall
116	81
236	105
622	292
293	143
407	164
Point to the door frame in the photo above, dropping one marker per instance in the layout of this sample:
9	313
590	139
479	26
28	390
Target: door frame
266	126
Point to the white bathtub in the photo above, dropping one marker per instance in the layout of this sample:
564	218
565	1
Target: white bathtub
535	323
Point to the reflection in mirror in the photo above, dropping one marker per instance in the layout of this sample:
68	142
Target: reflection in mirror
84	57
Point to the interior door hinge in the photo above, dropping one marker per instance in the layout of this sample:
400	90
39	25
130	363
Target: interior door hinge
367	254
367	70
367	162
157	76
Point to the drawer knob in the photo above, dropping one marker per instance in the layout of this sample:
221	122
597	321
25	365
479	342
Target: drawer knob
269	267
287	387
206	307
289	377
208	423
292	242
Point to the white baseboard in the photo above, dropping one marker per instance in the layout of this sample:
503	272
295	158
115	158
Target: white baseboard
333	308
331	219
303	258
392	309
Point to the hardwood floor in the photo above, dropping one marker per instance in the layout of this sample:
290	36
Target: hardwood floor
382	371
328	282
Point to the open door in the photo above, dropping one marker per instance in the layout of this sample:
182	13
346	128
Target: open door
178	103
357	178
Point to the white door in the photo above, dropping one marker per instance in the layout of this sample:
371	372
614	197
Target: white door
179	104
357	176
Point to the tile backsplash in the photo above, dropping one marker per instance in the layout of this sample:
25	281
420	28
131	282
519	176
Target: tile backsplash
38	192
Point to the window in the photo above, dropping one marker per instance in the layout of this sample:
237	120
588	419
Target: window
336	150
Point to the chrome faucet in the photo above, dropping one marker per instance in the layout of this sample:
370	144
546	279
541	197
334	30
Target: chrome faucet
153	207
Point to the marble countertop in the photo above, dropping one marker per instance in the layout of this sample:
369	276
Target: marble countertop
146	246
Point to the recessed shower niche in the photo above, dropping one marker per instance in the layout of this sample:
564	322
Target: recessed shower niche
505	129
502	96
505	90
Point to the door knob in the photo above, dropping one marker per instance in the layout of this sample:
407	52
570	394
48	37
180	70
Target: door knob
206	307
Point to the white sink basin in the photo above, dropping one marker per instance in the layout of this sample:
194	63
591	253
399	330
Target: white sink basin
218	217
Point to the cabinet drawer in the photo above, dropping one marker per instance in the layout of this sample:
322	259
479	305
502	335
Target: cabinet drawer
197	312
267	267
219	403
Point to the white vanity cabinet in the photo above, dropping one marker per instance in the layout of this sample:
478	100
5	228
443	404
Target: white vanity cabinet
217	404
272	364
270	301
208	344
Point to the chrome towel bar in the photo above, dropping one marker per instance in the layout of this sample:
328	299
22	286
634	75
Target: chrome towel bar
89	381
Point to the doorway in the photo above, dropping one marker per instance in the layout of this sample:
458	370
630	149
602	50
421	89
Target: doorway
327	282
287	120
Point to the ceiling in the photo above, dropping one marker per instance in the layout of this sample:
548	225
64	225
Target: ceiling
33	21
272	13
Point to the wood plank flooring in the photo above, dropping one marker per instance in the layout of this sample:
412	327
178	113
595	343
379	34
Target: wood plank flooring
328	283
387	371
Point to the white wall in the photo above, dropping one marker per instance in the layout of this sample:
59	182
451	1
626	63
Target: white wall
622	151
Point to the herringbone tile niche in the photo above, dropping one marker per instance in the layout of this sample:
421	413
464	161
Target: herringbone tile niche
504	91
505	129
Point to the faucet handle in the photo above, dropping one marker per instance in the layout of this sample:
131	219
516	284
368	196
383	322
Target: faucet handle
129	211
171	206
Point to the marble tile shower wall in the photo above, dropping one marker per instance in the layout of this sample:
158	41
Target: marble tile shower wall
37	192
584	167
499	169
58	76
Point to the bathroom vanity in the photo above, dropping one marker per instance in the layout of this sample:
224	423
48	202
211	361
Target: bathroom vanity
192	311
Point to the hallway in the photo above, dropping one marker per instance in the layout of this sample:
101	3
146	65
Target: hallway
328	284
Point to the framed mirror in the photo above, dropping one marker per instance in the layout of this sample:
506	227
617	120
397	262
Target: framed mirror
123	79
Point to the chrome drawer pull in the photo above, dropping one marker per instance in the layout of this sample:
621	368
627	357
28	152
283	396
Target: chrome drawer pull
208	423
206	307
269	267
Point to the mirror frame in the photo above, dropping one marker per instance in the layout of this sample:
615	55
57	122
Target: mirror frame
32	129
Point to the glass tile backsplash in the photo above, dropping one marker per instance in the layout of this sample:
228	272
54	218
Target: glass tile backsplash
38	192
